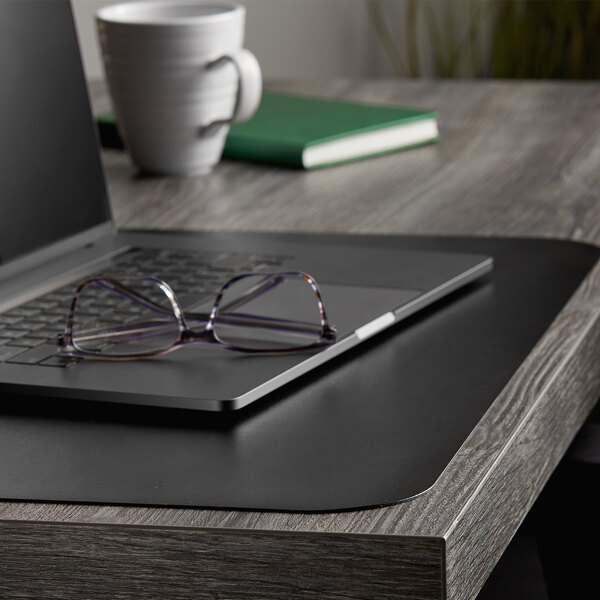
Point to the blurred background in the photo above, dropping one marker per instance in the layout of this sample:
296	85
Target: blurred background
312	39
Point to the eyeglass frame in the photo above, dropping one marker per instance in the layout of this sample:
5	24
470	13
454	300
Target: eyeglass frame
187	335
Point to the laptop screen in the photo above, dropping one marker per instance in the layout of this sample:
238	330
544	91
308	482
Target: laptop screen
51	179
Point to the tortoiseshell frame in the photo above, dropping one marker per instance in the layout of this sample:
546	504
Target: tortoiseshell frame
186	334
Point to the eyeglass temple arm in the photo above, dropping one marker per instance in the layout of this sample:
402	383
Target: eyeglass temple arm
254	292
134	330
117	287
251	321
248	296
123	290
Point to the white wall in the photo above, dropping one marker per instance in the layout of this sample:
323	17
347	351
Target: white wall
292	39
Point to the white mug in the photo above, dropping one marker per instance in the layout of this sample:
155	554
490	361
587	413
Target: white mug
178	74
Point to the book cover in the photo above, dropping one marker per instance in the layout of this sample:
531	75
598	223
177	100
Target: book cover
311	132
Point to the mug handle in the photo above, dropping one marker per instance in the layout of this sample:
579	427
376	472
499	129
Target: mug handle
249	91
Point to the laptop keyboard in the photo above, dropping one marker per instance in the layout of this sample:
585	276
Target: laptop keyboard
28	332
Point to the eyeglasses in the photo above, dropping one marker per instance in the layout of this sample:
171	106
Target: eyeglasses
134	318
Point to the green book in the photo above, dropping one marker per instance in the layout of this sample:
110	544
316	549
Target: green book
310	132
306	132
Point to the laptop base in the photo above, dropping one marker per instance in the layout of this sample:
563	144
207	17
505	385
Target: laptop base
376	426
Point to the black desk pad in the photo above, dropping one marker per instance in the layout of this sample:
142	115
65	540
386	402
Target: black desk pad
374	427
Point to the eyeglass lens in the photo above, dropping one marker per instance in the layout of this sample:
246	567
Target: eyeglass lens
268	312
110	323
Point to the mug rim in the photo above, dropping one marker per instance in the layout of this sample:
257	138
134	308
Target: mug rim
115	13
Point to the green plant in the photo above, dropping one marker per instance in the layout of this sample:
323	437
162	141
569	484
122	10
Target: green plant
557	39
492	38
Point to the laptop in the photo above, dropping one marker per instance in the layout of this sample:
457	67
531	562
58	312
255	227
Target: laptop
56	228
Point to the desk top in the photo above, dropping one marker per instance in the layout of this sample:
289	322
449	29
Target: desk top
515	159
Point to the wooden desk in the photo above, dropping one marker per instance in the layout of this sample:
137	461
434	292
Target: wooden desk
516	159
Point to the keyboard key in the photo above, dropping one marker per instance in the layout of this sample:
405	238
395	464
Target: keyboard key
21	311
60	361
50	319
28	326
61	298
46	334
7	352
232	262
42	304
14	333
34	355
27	342
6	319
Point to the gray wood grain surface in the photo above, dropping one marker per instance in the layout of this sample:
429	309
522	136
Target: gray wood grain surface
515	159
